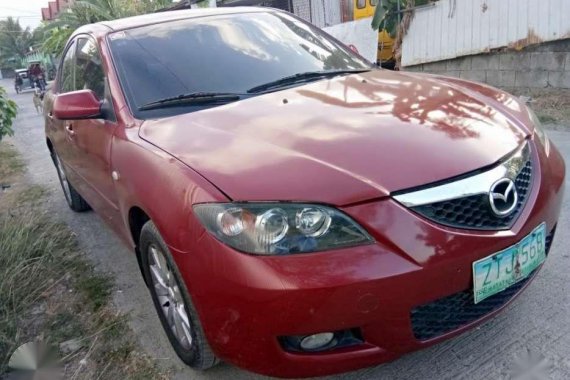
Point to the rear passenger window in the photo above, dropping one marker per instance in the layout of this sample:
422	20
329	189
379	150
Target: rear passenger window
66	81
89	73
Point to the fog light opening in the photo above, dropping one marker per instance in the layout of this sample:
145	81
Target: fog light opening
323	341
316	341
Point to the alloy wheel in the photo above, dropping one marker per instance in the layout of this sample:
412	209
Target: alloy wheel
169	296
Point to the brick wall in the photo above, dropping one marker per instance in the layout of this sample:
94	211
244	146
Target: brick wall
537	66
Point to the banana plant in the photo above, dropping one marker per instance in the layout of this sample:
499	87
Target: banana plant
8	110
388	13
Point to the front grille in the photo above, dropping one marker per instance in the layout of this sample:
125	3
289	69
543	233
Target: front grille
474	212
457	310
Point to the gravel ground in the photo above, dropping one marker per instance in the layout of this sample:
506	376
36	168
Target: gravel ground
536	324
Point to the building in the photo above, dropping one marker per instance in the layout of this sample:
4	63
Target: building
505	43
54	8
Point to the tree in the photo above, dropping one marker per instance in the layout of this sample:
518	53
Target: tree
395	17
15	42
389	13
8	110
54	39
83	12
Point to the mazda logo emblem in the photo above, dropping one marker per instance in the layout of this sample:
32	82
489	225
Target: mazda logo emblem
503	197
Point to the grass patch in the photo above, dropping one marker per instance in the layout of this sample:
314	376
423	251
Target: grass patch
552	106
30	195
32	250
64	326
546	118
10	162
50	292
97	289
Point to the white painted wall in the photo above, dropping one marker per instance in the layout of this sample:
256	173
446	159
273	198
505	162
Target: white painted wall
357	33
453	28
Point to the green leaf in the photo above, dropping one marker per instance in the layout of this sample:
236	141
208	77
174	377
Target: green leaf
378	19
9	111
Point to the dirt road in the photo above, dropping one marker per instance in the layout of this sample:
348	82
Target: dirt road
537	322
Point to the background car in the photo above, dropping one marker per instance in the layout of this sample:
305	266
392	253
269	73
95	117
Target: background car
25	83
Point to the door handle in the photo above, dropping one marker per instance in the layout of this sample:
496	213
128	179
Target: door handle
51	121
69	129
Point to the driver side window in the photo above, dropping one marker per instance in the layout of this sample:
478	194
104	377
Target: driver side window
89	74
66	79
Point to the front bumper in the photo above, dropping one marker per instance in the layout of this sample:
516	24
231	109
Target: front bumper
385	290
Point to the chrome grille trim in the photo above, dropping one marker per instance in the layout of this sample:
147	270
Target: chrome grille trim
474	185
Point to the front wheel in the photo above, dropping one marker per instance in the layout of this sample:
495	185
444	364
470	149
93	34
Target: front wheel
172	301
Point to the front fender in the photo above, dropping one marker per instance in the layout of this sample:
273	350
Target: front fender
162	186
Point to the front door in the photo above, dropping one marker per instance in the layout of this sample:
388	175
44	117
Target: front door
92	138
59	137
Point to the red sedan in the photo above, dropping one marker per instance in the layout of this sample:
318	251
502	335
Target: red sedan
295	210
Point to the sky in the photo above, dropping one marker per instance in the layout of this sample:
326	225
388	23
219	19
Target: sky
27	11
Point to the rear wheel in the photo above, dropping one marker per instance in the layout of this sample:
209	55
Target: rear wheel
74	200
172	301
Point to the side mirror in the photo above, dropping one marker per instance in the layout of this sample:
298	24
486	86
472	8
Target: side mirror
82	104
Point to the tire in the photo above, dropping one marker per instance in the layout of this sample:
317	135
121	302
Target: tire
74	200
161	273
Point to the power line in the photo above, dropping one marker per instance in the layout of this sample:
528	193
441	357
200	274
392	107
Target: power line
17	17
17	10
14	31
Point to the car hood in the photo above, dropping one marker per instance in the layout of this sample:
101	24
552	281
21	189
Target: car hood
347	139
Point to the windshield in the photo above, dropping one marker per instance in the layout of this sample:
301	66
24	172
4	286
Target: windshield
220	54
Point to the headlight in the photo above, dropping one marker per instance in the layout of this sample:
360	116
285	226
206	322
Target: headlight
538	131
280	228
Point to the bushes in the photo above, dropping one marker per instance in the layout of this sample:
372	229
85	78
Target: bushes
8	110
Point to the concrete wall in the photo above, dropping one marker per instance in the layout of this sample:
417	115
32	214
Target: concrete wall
7	73
537	66
454	28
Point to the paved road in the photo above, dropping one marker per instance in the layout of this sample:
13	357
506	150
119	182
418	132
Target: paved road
537	322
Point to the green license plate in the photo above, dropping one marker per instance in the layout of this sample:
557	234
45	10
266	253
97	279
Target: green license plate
497	272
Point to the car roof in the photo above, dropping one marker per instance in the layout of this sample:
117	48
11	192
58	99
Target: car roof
106	27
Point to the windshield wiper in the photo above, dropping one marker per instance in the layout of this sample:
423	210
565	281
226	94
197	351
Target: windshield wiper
302	78
192	98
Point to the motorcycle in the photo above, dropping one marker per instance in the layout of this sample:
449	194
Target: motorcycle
39	82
